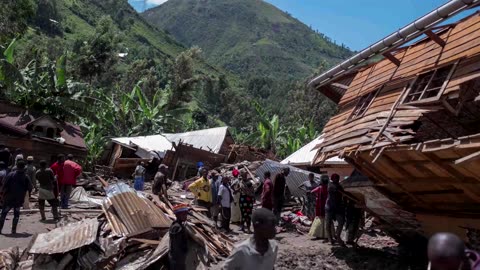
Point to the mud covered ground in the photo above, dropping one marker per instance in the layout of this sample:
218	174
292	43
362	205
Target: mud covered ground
375	251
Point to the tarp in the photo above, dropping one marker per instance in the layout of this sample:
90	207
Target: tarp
306	155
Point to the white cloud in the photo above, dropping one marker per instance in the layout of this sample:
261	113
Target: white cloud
156	2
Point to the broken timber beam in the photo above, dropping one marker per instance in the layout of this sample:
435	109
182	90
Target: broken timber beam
392	58
471	157
435	38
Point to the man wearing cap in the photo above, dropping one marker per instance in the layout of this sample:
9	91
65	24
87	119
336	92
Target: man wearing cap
258	252
159	187
177	253
71	170
202	190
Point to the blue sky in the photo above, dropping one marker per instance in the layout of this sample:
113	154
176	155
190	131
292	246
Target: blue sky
356	23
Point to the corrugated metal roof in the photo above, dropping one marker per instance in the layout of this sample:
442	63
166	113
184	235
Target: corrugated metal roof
207	139
130	214
153	143
66	238
306	155
294	179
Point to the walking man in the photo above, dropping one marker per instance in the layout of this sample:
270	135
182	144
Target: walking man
46	179
279	184
335	210
177	254
202	190
159	187
224	200
71	170
259	252
16	185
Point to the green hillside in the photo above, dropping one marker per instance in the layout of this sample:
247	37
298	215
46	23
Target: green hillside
248	37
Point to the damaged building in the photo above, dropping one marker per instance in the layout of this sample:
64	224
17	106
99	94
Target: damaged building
179	151
39	135
411	124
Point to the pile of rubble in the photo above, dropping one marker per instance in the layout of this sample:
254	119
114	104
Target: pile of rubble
131	232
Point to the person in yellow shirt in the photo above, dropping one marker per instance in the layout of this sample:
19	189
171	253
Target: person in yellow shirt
201	188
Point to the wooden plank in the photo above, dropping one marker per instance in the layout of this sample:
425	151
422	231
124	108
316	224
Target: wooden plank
444	167
471	157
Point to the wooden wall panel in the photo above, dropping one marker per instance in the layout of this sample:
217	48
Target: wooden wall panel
463	40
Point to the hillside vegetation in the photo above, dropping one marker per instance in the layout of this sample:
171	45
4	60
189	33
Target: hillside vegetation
247	37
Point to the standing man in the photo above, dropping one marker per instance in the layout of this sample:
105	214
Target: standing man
71	170
259	251
3	175
215	182
159	187
16	185
57	169
139	176
335	210
202	190
224	200
46	179
267	192
177	253
30	171
279	184
4	155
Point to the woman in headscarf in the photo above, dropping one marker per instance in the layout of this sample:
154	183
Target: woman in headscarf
308	186
318	229
247	199
235	206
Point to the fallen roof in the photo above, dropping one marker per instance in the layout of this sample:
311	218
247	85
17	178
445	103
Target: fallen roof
206	139
158	144
306	155
294	179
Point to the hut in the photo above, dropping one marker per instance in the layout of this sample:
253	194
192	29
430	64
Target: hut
39	135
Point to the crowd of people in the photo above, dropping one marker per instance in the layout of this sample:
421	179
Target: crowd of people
19	178
326	204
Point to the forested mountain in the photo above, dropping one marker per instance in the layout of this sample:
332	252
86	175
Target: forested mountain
248	37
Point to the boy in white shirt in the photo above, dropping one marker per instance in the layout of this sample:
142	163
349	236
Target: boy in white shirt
225	199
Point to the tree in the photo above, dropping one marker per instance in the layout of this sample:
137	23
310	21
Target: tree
14	17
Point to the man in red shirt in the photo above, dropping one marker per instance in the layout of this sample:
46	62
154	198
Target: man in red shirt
57	169
71	170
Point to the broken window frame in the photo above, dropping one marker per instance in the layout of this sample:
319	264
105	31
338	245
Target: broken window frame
426	89
363	104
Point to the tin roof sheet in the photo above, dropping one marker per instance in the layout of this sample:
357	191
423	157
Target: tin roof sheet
66	238
129	214
206	139
294	179
306	155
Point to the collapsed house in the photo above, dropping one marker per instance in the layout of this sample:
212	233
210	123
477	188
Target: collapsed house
39	135
179	151
411	124
304	158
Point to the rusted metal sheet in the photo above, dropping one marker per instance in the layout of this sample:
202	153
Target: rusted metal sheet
129	214
294	179
66	238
